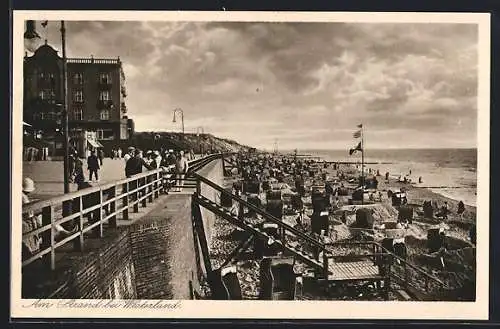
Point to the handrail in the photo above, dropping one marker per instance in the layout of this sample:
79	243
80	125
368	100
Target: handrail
72	195
144	187
406	263
259	211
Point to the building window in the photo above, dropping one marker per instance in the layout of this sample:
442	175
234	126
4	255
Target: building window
104	95
78	114
105	134
104	78
47	78
78	79
104	115
47	94
78	96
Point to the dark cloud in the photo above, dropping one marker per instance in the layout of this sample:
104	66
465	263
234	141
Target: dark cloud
254	81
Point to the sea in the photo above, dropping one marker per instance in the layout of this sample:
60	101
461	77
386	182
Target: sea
449	172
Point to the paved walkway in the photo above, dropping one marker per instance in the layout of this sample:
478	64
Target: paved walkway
49	178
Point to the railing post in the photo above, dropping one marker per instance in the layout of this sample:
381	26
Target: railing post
241	211
387	283
157	185
78	208
112	207
144	191
223	164
67	209
198	187
325	265
99	214
150	187
48	237
135	186
80	225
125	190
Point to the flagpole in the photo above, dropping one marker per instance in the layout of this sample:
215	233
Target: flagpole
362	167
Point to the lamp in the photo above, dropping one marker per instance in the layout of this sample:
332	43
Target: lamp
32	39
179	110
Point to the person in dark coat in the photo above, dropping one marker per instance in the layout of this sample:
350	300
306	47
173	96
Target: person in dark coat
134	165
100	155
93	165
78	172
461	209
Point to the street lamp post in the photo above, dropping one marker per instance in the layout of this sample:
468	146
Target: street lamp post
65	109
198	129
32	37
179	110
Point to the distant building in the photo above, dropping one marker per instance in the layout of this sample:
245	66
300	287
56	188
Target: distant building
96	101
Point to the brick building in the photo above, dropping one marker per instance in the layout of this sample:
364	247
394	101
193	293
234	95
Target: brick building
95	96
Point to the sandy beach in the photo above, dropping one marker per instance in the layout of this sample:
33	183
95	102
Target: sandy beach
458	268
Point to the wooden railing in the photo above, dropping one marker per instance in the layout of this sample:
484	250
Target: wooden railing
418	282
90	209
422	285
245	204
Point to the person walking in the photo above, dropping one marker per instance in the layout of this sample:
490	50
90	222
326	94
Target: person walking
93	166
181	167
100	155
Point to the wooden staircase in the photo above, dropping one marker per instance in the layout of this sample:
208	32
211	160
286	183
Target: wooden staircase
257	231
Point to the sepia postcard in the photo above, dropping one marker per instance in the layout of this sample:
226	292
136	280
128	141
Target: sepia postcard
270	165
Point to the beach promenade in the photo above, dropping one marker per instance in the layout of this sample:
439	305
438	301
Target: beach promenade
49	181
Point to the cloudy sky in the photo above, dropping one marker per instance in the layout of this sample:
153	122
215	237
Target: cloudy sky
305	84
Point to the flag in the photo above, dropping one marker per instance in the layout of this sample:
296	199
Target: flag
357	134
360	125
357	148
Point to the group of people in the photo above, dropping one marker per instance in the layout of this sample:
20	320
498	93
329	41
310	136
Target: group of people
136	160
94	163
